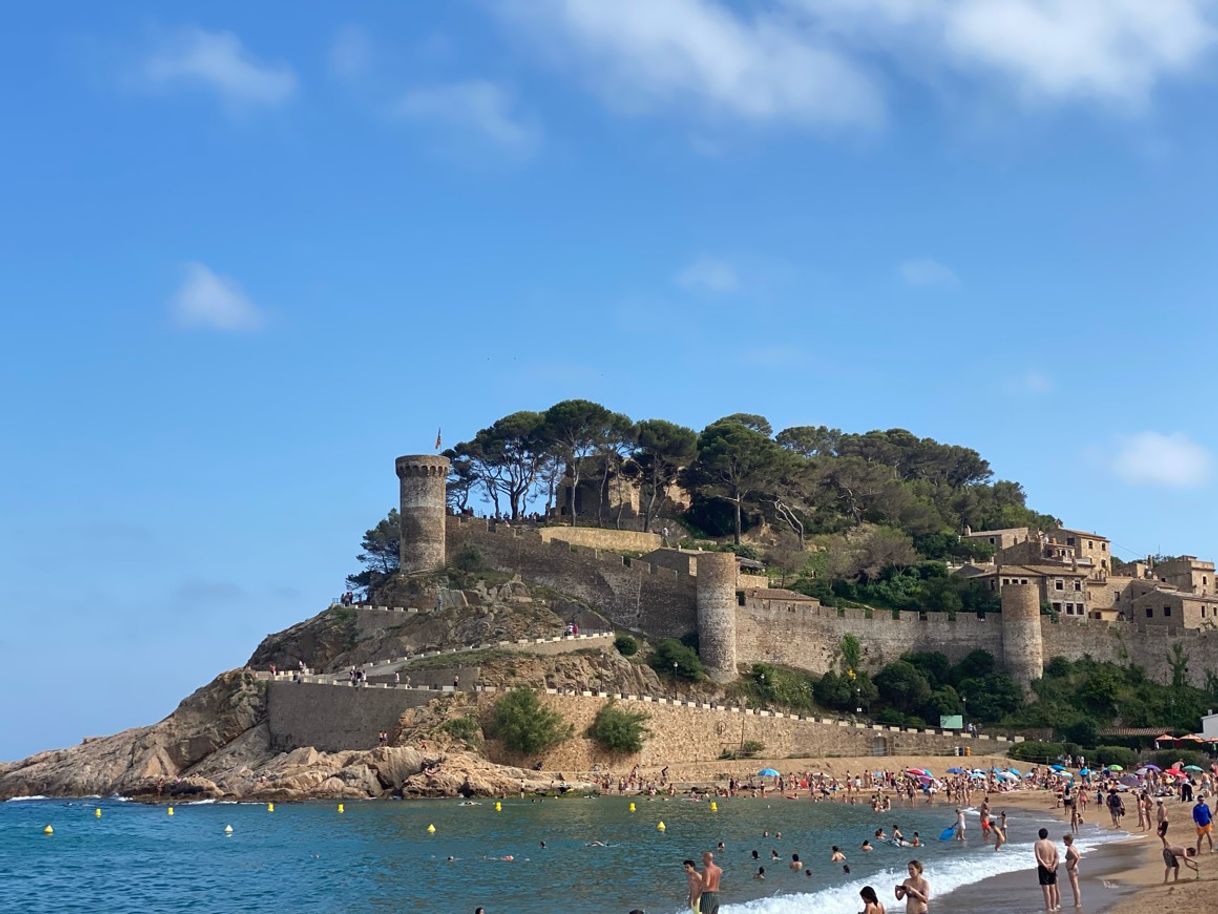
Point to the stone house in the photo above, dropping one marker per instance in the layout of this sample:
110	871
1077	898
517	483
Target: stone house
1175	609
1060	586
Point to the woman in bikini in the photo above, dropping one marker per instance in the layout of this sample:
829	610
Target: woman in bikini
871	902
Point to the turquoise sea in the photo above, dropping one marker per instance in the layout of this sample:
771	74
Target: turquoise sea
379	857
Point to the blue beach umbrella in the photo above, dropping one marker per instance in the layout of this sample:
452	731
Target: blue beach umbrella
1058	767
767	773
1015	771
955	771
1084	771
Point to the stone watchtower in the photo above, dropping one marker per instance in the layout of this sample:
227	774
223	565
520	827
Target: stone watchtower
717	614
1023	652
423	480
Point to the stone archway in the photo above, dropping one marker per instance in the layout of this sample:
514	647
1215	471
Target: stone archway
879	745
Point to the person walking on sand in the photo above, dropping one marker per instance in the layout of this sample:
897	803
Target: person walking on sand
1072	859
711	874
694	880
1045	852
871	902
914	891
1204	820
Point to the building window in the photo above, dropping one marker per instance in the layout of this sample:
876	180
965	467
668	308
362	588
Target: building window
1166	610
1202	612
1069	541
1150	612
1078	585
1103	547
1057	585
1057	607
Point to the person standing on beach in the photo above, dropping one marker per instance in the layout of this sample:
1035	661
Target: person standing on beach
694	880
914	891
1204	820
1161	818
1046	869
959	825
711	874
1072	858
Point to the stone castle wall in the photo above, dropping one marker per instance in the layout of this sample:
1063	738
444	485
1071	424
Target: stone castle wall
335	717
633	594
680	733
603	538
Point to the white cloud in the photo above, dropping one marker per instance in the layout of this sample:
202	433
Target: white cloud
473	106
218	61
926	271
1047	50
1152	458
644	55
351	52
1030	382
212	302
819	62
708	274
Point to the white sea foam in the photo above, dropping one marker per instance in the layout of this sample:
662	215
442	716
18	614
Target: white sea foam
24	799
199	803
948	875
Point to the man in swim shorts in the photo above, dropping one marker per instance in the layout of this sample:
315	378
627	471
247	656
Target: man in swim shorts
711	874
1046	869
1172	855
1204	820
694	879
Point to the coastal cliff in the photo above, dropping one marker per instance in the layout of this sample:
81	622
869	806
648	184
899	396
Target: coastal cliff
217	744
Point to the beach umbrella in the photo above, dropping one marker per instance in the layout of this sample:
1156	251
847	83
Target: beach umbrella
915	771
955	771
1084	771
1129	780
1065	774
1058	767
1142	771
1193	768
1007	776
767	773
1152	767
1115	768
1014	771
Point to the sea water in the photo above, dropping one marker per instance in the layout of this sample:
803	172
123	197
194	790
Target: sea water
380	857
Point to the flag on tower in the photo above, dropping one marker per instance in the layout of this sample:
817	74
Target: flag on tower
437	439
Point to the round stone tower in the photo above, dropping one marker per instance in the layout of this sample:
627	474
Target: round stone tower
423	480
1022	645
717	614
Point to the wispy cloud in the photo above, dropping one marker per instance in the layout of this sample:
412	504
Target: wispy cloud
351	52
474	107
708	274
1156	459
218	62
821	62
701	55
926	271
1030	382
208	301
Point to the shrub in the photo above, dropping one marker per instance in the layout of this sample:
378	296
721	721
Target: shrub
1083	731
1165	758
751	748
465	729
777	685
1036	750
468	558
617	730
625	645
525	726
1114	755
672	658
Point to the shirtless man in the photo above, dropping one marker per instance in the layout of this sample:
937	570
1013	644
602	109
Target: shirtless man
694	880
914	891
1046	869
711	874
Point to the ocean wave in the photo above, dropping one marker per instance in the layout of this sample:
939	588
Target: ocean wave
199	803
25	799
945	876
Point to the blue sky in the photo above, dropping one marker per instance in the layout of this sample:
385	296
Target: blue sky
249	253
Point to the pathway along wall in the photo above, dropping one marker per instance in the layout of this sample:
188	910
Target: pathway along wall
701	734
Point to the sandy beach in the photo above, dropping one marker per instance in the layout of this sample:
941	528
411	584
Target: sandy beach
1125	877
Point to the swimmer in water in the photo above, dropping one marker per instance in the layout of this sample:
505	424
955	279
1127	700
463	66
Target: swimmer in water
837	856
866	847
760	873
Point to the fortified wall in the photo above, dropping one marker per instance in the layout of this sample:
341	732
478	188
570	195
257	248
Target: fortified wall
742	626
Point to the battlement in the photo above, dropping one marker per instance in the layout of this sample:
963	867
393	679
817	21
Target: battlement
422	466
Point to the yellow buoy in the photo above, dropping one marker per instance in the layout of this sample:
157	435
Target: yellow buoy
228	829
170	810
498	806
632	807
48	830
342	808
270	807
97	813
431	829
661	826
714	807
